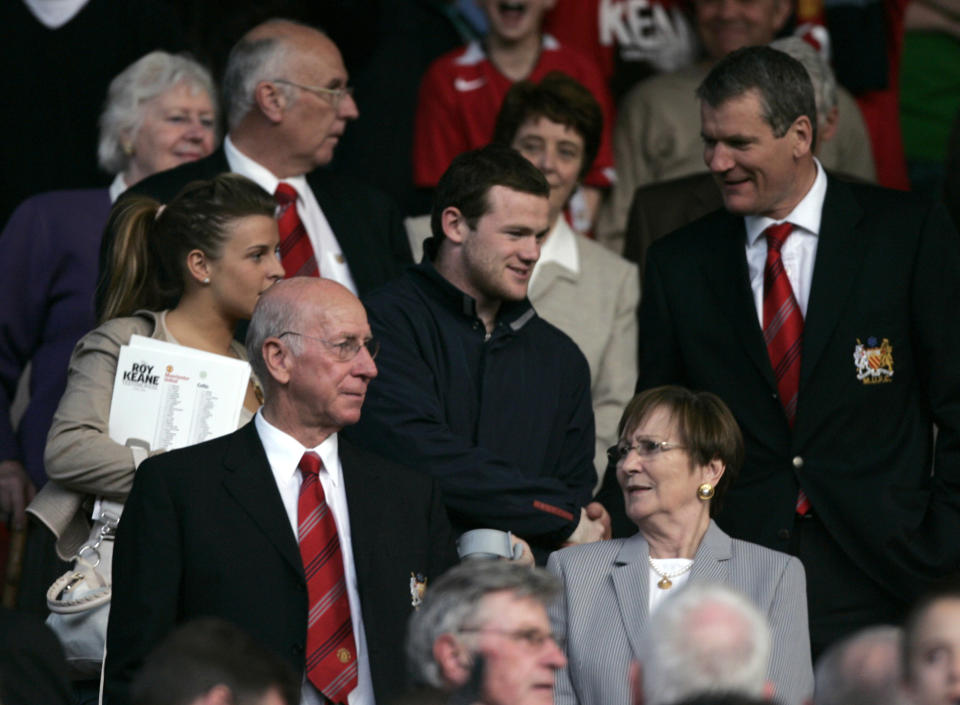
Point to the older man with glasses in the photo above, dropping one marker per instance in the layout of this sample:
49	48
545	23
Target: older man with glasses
484	627
288	103
317	548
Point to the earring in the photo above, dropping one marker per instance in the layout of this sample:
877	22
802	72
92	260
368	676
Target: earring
206	280
127	149
705	492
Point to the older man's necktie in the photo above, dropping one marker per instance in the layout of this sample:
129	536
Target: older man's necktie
296	252
783	330
331	660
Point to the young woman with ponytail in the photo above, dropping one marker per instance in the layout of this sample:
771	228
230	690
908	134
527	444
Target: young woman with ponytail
185	273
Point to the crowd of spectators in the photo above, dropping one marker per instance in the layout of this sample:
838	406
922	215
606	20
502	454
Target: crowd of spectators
661	295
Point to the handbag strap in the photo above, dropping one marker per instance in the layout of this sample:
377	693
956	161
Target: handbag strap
99	595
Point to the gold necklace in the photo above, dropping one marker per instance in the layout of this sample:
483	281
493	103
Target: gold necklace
665	583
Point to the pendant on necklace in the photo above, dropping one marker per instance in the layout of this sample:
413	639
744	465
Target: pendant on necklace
665	583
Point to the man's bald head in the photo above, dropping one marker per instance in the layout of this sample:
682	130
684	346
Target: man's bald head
287	306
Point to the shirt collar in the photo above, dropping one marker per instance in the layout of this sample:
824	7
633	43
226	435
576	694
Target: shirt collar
240	163
560	247
806	215
117	187
284	451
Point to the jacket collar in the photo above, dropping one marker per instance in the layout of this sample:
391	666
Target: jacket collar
512	314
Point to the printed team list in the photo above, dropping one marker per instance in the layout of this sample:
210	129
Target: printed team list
169	396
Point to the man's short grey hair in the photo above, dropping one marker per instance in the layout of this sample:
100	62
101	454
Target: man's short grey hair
863	669
781	83
144	79
821	75
272	316
252	61
455	601
691	654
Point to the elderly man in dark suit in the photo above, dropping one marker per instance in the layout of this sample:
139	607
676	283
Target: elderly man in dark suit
287	103
318	549
825	315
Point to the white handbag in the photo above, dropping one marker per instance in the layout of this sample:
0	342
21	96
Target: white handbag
79	600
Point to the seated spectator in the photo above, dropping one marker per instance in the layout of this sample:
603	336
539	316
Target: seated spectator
188	273
706	639
657	135
160	112
581	287
664	206
931	648
210	661
475	389
463	89
864	669
679	452
483	629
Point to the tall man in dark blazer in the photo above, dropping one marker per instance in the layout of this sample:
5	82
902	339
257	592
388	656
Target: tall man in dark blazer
836	350
218	529
288	102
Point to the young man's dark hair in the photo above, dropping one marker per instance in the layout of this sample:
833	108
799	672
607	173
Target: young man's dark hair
470	176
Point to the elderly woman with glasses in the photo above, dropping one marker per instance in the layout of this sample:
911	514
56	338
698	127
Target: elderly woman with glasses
678	453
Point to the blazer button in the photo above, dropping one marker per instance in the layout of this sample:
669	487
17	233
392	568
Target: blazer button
783	534
798	462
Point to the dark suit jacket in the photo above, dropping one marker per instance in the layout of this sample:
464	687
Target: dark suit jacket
887	267
204	533
662	207
368	225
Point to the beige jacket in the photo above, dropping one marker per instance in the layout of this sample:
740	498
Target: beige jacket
81	459
595	304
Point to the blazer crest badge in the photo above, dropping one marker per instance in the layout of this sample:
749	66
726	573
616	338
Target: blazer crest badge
418	586
874	362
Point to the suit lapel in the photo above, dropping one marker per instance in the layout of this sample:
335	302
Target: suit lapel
339	212
250	482
834	274
710	562
361	484
725	269
631	580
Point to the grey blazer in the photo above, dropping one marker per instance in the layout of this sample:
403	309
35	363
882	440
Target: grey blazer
603	612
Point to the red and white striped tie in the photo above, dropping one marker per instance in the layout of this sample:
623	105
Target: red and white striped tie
783	330
296	252
331	662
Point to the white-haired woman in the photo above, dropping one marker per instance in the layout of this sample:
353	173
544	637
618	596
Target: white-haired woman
160	112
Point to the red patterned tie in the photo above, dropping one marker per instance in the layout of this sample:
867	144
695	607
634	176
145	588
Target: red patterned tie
783	330
296	252
331	650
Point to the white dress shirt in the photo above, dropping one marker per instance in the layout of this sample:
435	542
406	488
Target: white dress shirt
284	453
799	251
330	259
